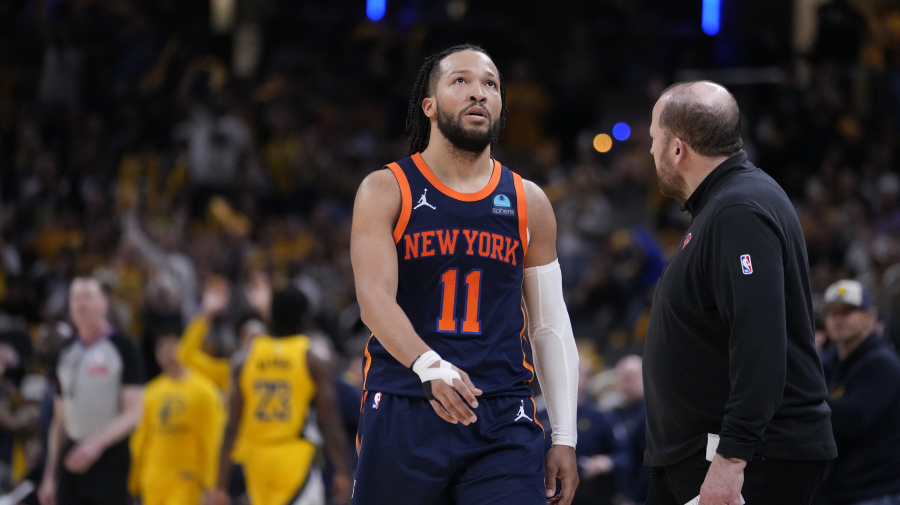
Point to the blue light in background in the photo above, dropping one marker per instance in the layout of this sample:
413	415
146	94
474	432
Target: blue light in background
712	16
375	9
621	131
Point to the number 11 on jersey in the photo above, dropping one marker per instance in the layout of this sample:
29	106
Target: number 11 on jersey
471	323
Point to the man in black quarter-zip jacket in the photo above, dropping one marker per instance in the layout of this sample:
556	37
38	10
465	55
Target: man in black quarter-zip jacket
731	373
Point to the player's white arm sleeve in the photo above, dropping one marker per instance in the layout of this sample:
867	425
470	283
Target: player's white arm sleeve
553	347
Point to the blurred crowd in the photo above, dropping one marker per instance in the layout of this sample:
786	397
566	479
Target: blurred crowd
159	144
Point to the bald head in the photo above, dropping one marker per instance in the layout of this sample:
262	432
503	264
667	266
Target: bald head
704	115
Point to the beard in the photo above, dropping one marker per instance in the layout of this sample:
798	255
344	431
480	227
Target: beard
467	140
671	183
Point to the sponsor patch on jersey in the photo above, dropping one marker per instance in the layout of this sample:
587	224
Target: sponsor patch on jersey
502	206
746	264
686	240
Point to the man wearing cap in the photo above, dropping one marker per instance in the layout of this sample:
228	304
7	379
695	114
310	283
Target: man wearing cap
865	403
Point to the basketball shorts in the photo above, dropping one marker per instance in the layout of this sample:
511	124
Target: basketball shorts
409	455
170	486
281	474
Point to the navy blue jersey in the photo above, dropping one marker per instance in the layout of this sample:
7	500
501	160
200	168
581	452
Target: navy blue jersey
460	273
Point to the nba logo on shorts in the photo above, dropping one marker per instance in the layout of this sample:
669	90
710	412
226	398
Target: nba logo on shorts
746	265
376	400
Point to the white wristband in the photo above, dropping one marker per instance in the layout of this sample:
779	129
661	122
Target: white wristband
445	372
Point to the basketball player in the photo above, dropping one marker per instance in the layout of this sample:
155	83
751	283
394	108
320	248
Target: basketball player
190	352
274	386
441	244
175	447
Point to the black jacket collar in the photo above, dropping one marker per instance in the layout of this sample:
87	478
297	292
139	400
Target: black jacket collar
698	199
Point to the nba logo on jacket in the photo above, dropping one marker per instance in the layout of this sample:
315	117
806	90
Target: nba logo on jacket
746	265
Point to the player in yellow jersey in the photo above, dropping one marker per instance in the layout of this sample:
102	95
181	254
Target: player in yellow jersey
274	386
176	445
216	297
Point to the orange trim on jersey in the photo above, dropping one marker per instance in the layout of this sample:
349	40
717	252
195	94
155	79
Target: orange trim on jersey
523	212
452	193
406	201
368	362
362	402
535	415
524	341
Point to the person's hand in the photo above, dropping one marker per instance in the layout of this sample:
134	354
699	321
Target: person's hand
452	403
79	459
600	464
259	292
216	294
341	489
47	492
217	496
560	462
723	482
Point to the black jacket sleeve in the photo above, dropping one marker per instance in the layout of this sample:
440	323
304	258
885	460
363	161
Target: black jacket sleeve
746	273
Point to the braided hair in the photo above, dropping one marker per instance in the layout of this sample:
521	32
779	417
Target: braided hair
418	125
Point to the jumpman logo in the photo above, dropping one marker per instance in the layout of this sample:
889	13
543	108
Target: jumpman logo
423	201
521	413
